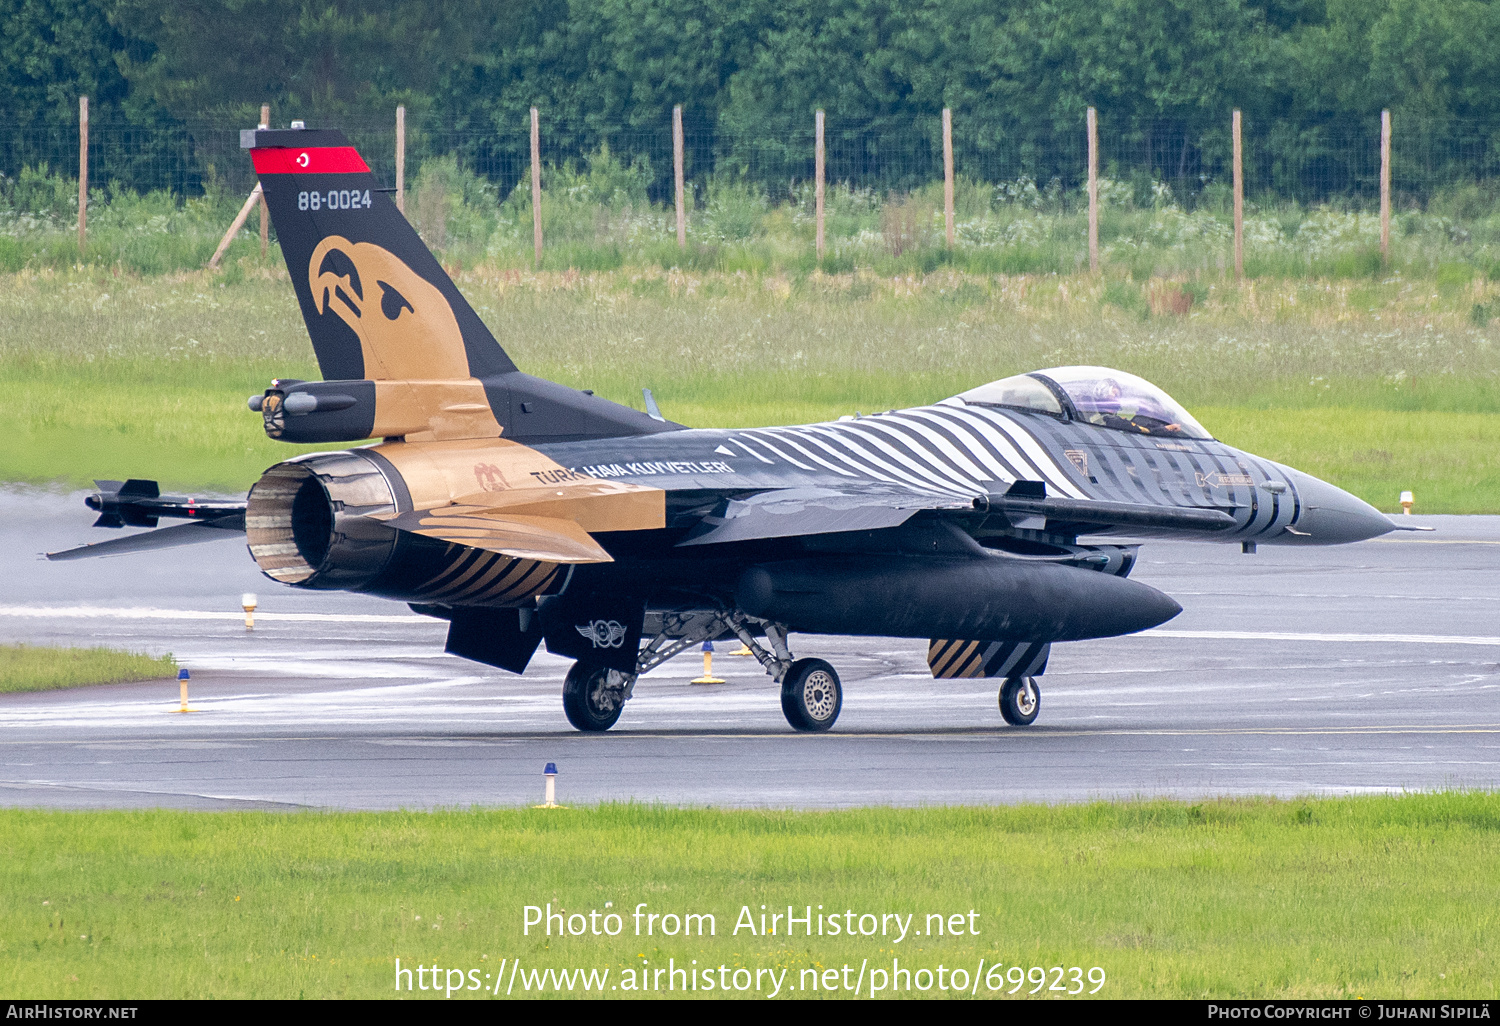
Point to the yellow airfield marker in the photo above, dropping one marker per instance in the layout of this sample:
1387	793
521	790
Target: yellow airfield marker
744	649
1407	502
182	679
248	604
708	667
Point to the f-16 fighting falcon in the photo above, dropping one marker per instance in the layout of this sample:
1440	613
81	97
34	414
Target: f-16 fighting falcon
992	524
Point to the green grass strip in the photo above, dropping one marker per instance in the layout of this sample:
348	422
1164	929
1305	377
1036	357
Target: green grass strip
1379	387
200	437
1369	896
41	668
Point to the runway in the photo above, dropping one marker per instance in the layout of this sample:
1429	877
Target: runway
1366	668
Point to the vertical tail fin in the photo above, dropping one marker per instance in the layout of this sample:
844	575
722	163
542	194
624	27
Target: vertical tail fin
376	302
381	309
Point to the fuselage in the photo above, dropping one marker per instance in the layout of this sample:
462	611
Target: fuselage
962	451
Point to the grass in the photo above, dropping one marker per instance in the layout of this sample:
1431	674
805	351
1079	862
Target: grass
598	217
39	668
1316	898
1380	385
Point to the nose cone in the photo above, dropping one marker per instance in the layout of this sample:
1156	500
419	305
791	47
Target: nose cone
1330	515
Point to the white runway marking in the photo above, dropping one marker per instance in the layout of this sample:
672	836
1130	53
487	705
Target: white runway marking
147	613
1343	639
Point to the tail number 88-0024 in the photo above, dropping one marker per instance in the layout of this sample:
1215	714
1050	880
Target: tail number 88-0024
334	199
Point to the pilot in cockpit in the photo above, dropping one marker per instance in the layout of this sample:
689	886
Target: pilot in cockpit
1107	403
1100	396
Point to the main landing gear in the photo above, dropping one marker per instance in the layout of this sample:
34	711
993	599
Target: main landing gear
811	695
1020	701
593	696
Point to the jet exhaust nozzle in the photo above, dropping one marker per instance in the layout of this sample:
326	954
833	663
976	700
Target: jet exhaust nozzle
304	522
311	522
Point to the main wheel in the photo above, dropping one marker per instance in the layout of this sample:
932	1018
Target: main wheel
1020	701
593	696
811	695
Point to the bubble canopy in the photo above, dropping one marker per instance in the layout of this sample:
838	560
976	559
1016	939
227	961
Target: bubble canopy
1095	395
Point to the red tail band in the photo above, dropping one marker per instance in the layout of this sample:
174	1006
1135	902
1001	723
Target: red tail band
325	160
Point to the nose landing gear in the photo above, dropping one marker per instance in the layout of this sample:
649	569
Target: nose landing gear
1020	701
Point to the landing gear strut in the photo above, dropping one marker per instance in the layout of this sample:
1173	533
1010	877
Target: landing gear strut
811	695
1020	701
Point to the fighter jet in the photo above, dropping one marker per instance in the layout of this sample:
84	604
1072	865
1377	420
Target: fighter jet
992	524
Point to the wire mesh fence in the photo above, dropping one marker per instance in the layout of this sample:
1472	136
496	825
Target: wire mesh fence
1330	162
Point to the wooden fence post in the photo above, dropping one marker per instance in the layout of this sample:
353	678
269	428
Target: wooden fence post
948	174
1239	203
401	158
83	171
536	184
265	214
818	167
1385	187
1093	123
677	176
256	196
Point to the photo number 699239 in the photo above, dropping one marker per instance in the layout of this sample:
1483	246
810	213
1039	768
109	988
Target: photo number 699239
334	199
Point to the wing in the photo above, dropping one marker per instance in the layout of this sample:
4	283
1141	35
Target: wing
789	512
793	512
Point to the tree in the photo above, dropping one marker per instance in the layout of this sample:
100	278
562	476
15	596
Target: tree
333	59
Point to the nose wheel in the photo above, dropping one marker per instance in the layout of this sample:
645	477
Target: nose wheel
1020	701
811	695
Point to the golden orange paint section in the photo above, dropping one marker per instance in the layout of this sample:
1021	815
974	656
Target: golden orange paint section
468	486
412	345
948	658
505	497
424	411
549	539
406	328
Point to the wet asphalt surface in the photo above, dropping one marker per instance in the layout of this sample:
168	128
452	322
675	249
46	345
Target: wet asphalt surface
1370	667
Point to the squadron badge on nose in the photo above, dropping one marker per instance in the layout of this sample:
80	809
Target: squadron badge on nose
603	633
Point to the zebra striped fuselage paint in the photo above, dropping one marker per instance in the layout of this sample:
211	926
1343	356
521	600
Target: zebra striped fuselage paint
959	451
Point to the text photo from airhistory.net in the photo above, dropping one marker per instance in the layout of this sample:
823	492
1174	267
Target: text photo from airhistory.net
964	500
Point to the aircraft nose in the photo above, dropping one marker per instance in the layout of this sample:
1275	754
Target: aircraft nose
1331	516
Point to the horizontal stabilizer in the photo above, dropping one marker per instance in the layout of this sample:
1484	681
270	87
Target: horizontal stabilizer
1397	525
164	538
593	505
548	539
